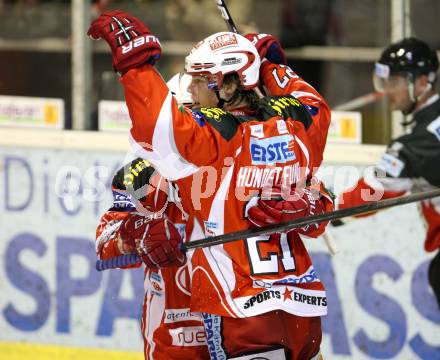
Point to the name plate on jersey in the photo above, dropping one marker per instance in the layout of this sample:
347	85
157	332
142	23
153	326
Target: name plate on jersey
25	111
345	127
113	116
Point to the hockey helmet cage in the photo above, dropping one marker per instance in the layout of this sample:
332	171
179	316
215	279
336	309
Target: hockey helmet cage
178	86
221	54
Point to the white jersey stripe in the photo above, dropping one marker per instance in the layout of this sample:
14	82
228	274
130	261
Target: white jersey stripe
300	94
156	309
306	153
165	158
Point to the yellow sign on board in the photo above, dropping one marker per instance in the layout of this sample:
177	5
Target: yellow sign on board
346	127
51	115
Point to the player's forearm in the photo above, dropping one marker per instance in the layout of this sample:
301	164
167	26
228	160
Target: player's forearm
108	235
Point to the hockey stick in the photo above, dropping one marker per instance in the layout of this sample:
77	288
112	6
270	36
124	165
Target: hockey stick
289	225
118	262
131	259
227	16
360	101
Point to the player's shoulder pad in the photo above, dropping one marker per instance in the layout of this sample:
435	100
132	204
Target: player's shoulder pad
224	122
136	173
286	106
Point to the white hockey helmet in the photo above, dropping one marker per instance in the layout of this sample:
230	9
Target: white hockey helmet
225	53
178	85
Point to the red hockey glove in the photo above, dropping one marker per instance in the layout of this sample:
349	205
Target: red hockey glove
268	47
130	40
132	228
160	244
280	206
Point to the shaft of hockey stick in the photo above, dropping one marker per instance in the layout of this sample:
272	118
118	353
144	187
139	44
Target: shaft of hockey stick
360	101
132	259
118	262
226	15
221	5
289	225
329	242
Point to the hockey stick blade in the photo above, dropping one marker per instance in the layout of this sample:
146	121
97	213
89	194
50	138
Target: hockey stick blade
289	225
226	15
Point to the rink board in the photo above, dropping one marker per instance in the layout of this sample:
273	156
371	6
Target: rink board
20	351
380	305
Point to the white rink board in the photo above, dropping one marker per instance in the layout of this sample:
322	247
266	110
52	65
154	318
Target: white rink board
31	112
380	305
51	292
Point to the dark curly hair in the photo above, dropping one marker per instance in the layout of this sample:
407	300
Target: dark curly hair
241	95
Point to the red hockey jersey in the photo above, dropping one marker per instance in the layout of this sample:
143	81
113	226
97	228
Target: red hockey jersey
169	329
220	160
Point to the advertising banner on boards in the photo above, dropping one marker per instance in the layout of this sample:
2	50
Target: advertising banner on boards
379	301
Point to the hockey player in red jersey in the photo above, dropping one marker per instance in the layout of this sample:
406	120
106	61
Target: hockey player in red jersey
169	329
406	72
236	151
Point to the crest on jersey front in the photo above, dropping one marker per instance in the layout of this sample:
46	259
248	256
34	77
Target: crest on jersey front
276	149
222	41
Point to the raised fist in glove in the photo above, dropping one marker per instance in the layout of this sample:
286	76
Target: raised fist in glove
268	47
278	205
157	241
130	40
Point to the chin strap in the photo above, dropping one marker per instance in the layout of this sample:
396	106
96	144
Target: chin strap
427	89
412	97
410	121
414	100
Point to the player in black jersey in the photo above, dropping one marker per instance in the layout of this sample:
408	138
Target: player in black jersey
407	72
